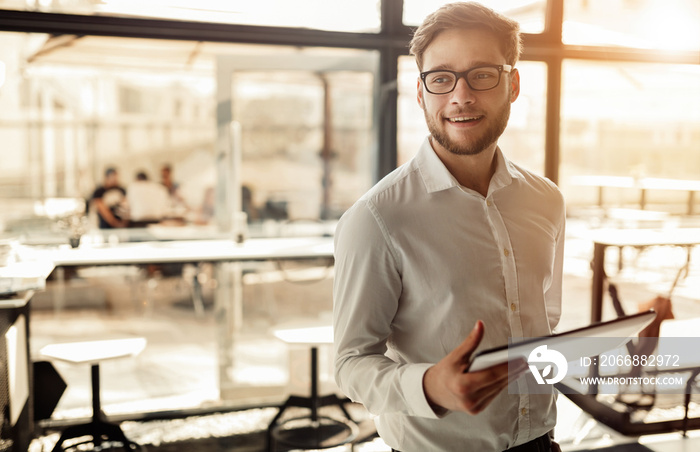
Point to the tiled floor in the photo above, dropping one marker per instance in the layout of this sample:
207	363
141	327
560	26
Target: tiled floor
178	371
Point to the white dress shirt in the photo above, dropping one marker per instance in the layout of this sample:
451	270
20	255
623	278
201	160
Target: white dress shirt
148	200
418	260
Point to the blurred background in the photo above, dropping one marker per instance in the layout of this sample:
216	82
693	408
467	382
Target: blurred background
289	112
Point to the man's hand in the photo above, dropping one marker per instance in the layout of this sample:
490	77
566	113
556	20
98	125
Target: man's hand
448	386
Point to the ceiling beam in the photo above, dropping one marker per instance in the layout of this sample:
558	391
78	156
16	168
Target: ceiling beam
57	24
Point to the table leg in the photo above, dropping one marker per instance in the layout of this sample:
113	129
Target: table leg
598	266
691	202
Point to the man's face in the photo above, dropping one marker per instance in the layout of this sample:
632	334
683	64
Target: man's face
466	122
112	180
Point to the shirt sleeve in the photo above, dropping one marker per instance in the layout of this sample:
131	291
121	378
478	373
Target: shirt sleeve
553	295
366	292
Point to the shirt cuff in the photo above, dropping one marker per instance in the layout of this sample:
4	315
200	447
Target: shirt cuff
412	387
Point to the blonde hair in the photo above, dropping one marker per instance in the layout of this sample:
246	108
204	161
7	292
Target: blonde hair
468	15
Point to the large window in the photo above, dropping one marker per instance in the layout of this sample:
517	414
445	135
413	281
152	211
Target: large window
647	24
629	120
336	15
530	14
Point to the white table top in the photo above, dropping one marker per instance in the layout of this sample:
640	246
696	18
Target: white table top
188	251
17	300
645	237
632	182
311	335
93	352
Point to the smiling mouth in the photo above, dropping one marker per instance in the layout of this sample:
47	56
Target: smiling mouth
462	119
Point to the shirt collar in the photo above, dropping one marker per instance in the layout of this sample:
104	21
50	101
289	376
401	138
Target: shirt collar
437	177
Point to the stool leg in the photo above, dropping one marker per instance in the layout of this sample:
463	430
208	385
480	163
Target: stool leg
98	427
96	405
314	384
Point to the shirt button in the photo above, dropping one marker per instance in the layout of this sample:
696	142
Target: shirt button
488	202
523	411
512	307
506	252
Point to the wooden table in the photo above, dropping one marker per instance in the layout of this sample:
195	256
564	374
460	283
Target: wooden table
604	238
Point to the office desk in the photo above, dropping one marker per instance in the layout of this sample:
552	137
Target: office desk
604	238
16	395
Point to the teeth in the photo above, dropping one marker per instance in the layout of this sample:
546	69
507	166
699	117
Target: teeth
463	119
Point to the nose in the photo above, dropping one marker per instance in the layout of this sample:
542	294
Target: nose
462	94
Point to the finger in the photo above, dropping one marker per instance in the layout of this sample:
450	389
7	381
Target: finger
462	353
495	376
483	397
486	396
516	373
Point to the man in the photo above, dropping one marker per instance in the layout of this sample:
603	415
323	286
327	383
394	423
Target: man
455	251
109	201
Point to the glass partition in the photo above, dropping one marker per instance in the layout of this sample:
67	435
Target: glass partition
305	141
71	106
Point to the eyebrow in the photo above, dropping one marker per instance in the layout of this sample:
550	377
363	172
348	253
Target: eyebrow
443	67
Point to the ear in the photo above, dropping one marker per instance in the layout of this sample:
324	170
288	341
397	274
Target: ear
419	94
514	85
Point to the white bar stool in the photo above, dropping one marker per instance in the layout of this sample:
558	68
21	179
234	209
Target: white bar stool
312	431
93	353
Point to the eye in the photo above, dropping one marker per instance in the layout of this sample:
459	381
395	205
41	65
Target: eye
441	78
483	75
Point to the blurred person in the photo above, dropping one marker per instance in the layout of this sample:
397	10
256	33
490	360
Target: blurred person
166	178
148	201
455	251
109	201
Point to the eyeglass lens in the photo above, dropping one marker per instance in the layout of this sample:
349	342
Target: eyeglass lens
478	78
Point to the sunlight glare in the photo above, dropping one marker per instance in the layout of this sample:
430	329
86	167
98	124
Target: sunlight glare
671	27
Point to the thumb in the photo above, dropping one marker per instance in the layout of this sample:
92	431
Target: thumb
462	353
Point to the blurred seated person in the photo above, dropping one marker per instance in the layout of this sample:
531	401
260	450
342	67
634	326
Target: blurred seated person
148	201
166	178
109	201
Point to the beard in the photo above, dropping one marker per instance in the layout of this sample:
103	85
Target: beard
475	145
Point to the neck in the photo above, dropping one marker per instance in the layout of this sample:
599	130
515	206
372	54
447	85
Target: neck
471	171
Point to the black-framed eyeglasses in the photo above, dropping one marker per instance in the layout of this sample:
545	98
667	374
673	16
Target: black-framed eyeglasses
480	78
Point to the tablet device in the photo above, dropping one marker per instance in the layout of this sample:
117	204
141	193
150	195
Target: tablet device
573	344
